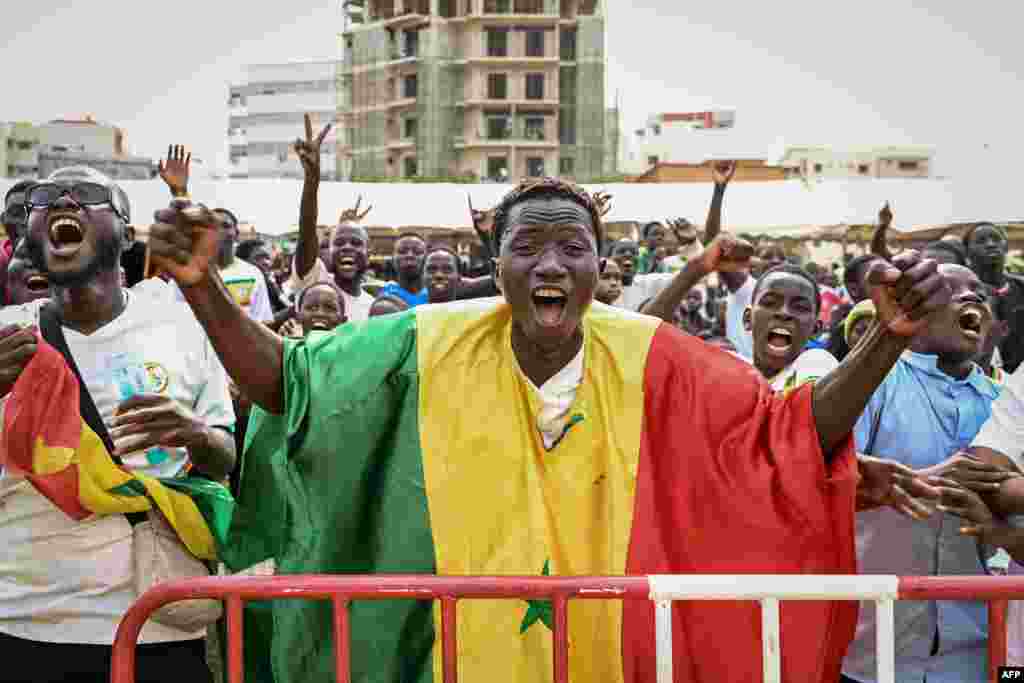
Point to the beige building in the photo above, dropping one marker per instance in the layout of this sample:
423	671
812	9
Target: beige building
490	89
871	162
19	150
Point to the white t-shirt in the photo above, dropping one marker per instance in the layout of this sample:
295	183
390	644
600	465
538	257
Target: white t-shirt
356	307
64	581
556	397
1004	430
644	287
809	366
735	303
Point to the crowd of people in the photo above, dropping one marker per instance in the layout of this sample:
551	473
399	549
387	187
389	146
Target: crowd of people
694	402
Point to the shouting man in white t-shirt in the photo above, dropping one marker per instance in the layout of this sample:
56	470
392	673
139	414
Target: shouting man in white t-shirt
163	395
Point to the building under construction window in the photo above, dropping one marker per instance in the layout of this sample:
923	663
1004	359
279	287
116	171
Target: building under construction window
535	167
535	86
497	86
409	86
534	43
497	42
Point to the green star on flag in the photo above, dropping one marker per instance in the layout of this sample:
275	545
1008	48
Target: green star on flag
539	610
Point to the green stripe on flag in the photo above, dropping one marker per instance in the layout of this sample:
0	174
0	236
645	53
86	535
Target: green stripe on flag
347	462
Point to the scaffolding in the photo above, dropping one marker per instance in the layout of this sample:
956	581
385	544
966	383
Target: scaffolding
425	60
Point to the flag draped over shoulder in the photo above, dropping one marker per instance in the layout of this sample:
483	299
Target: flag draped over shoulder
409	444
46	440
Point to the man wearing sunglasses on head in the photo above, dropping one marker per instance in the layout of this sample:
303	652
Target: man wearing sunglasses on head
163	405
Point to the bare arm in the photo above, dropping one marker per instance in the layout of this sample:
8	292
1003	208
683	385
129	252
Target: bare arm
724	255
722	174
905	291
308	151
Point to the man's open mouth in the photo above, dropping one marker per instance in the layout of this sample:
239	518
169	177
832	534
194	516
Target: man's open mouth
346	262
37	283
971	321
66	235
319	324
549	302
779	341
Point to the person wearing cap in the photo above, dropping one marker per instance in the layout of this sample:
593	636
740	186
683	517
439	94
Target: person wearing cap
987	246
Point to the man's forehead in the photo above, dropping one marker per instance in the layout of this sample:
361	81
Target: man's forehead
954	271
549	211
344	231
786	283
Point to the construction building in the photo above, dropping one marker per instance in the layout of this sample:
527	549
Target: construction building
266	116
486	89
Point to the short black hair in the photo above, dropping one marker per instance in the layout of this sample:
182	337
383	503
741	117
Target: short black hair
246	249
404	235
446	249
20	186
621	240
956	249
973	228
233	217
853	268
790	269
320	283
547	187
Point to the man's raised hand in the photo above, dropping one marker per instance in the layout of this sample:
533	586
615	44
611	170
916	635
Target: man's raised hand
175	169
603	200
727	254
308	150
679	227
722	172
184	242
879	246
906	290
352	215
483	224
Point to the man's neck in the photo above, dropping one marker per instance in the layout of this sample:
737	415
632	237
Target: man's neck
226	261
541	364
413	285
353	287
957	368
87	308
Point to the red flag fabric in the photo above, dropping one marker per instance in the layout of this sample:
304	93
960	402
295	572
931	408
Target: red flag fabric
736	487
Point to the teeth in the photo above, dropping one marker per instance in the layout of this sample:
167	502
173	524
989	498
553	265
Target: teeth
61	223
548	292
785	333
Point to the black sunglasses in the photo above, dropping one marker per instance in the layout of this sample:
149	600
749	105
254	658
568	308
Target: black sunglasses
85	193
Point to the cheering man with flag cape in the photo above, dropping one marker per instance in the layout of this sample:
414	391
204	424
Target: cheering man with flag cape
542	433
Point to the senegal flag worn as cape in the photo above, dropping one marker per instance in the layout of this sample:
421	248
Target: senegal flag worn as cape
409	444
46	440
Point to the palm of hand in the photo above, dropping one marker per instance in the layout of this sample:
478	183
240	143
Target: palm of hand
204	230
174	171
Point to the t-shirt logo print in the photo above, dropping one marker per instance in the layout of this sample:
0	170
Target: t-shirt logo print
241	290
157	378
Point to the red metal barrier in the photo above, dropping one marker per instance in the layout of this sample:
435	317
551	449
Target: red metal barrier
340	590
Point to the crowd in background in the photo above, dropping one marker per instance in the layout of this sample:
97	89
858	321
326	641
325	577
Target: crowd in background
794	323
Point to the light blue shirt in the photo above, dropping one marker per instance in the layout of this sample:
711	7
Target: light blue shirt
924	417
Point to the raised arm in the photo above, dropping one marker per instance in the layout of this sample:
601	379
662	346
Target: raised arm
308	151
184	243
725	255
721	174
905	291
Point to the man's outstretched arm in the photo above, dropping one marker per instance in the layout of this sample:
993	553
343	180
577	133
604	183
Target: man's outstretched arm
905	291
308	151
183	242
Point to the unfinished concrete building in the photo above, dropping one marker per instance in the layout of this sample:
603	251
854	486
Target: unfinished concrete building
490	89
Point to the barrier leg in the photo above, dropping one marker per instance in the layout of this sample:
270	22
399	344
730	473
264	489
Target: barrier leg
342	641
996	636
770	653
663	642
449	641
885	641
236	663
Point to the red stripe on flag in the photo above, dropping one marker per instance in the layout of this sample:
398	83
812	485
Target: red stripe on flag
62	490
735	486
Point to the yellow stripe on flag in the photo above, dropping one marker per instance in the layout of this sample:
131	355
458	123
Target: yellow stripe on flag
500	503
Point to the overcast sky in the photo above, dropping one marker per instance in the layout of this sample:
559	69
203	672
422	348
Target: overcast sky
939	73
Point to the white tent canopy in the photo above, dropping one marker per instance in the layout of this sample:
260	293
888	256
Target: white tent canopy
788	207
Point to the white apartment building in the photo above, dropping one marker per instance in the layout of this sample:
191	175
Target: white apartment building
266	116
822	162
684	138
